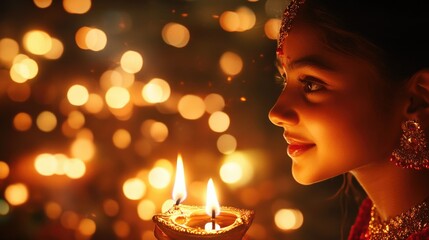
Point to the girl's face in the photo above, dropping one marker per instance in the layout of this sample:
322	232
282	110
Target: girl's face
337	113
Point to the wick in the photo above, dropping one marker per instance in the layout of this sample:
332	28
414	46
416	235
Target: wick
213	220
178	202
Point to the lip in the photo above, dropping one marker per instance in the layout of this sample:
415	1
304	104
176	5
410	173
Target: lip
296	147
295	150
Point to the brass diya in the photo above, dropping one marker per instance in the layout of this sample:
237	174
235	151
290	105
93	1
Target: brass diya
184	222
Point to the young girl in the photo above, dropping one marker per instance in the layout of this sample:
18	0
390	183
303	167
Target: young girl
356	100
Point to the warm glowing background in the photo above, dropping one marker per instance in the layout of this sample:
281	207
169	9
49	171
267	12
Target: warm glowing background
98	98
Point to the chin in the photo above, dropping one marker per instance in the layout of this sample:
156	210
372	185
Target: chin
307	178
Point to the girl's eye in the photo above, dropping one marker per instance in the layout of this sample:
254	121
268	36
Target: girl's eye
311	84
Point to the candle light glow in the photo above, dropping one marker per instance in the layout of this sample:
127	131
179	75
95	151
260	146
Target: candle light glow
179	189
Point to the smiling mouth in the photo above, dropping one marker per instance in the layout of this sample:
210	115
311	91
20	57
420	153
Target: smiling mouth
295	150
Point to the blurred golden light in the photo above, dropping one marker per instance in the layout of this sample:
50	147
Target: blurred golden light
219	122
134	188
77	95
158	131
87	227
288	219
272	28
23	69
4	170
231	172
117	97
95	39
111	207
76	119
46	164
131	61
22	121
69	220
247	18
231	63
46	121
62	161
164	163
16	194
146	209
116	77
214	102
167	205
121	228
37	42
53	210
77	6
56	50
19	92
83	148
159	177
42	3
4	207
75	168
121	138
94	104
176	35
156	90
80	37
226	144
229	21
236	169
179	193
191	107
9	48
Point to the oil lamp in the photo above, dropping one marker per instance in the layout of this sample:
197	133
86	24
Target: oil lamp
212	221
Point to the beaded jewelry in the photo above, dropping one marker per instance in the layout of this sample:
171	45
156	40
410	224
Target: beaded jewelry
287	19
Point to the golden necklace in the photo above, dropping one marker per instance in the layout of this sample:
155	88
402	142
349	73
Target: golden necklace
401	226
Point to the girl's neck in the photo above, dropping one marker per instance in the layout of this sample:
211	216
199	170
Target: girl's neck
393	190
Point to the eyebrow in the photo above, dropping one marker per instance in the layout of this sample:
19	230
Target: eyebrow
310	61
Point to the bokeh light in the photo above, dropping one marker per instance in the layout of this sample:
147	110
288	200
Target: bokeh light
77	6
42	3
288	219
131	61
191	107
176	35
134	188
146	209
77	95
16	194
4	170
231	63
9	48
219	121
46	121
37	42
22	121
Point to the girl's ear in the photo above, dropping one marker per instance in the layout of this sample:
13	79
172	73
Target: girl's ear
418	87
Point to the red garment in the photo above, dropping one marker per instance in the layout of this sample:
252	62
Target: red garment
359	230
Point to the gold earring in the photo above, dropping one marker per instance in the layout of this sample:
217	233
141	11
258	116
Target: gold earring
413	152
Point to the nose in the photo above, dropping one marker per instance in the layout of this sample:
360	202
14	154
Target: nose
283	113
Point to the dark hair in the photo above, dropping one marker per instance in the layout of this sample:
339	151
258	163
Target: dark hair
389	33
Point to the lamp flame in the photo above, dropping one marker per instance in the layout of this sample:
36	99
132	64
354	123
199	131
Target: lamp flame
179	189
212	204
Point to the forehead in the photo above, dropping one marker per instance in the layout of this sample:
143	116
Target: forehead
303	40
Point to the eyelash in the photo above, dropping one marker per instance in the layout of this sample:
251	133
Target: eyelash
310	84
